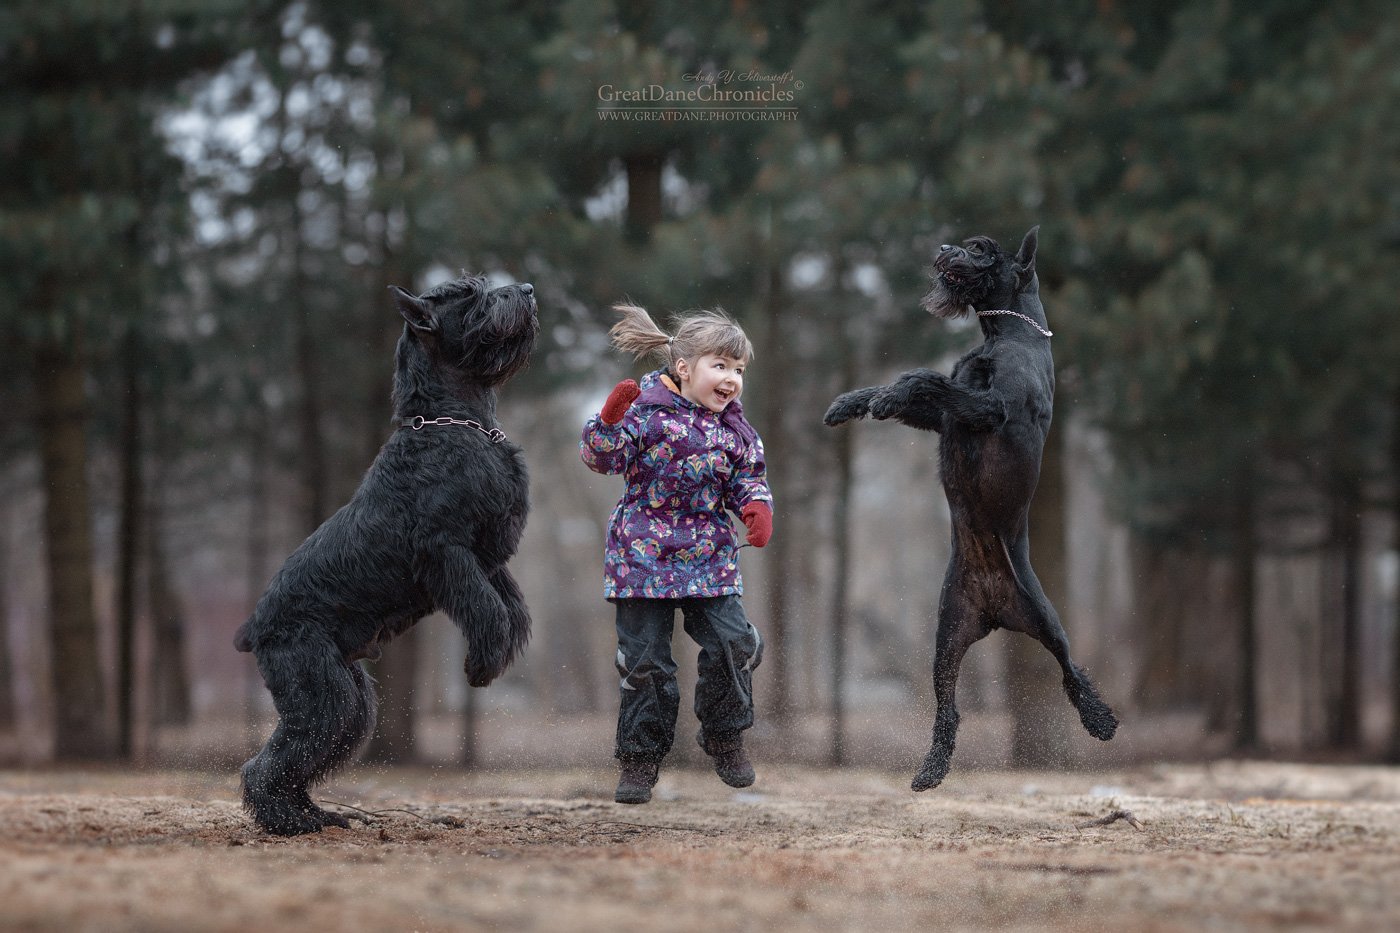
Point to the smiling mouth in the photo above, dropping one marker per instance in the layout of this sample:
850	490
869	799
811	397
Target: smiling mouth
953	278
724	395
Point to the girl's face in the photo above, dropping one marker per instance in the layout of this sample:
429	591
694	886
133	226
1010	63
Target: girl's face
711	381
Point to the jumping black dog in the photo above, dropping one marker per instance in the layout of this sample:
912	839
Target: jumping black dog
431	527
993	413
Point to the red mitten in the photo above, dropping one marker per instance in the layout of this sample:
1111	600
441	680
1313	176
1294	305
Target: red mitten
758	516
619	400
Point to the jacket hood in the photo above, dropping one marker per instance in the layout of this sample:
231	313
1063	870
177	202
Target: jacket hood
659	391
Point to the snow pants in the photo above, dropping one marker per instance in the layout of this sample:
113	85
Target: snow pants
730	649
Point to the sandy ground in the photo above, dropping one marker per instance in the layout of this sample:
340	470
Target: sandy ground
1226	846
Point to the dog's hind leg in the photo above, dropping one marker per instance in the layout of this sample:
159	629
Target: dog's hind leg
1098	719
959	628
1040	620
325	708
363	713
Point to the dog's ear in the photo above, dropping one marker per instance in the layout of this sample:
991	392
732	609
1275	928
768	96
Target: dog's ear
415	311
1025	256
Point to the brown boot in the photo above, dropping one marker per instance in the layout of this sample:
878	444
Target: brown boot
731	761
636	780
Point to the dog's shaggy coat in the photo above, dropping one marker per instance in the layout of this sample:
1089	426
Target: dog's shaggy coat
993	413
431	527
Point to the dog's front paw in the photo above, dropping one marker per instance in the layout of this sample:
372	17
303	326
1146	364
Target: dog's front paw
887	404
849	405
480	675
479	678
485	666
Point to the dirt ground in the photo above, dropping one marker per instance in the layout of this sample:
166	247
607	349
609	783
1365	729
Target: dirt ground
1226	846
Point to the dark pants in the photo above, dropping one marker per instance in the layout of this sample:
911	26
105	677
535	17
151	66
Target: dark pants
730	649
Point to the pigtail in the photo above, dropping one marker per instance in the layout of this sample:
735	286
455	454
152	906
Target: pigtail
638	334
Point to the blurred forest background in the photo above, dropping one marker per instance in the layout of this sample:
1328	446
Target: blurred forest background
203	202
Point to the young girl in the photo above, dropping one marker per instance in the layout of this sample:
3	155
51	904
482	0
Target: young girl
687	453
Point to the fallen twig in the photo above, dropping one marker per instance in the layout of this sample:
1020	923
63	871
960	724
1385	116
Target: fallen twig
1115	816
675	829
445	820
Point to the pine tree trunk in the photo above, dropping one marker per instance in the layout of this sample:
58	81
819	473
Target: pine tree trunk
7	671
1344	715
643	194
382	329
849	365
1040	713
1244	557
171	680
1214	657
395	739
314	480
1156	577
132	681
1394	752
259	444
129	546
81	728
311	449
775	354
840	597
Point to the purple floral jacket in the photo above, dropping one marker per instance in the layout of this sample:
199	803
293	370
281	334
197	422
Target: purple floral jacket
669	536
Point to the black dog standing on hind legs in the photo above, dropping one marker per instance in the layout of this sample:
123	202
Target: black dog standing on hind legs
431	527
993	413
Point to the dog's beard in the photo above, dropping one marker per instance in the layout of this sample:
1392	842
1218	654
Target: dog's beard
941	302
499	362
949	300
501	345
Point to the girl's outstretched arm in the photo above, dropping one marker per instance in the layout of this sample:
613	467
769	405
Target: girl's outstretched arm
609	441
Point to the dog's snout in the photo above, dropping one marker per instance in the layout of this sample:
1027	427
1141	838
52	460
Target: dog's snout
945	247
527	288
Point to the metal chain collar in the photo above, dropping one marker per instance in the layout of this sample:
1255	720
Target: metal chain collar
418	423
1028	320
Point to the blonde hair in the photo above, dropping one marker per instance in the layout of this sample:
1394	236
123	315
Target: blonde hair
697	333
